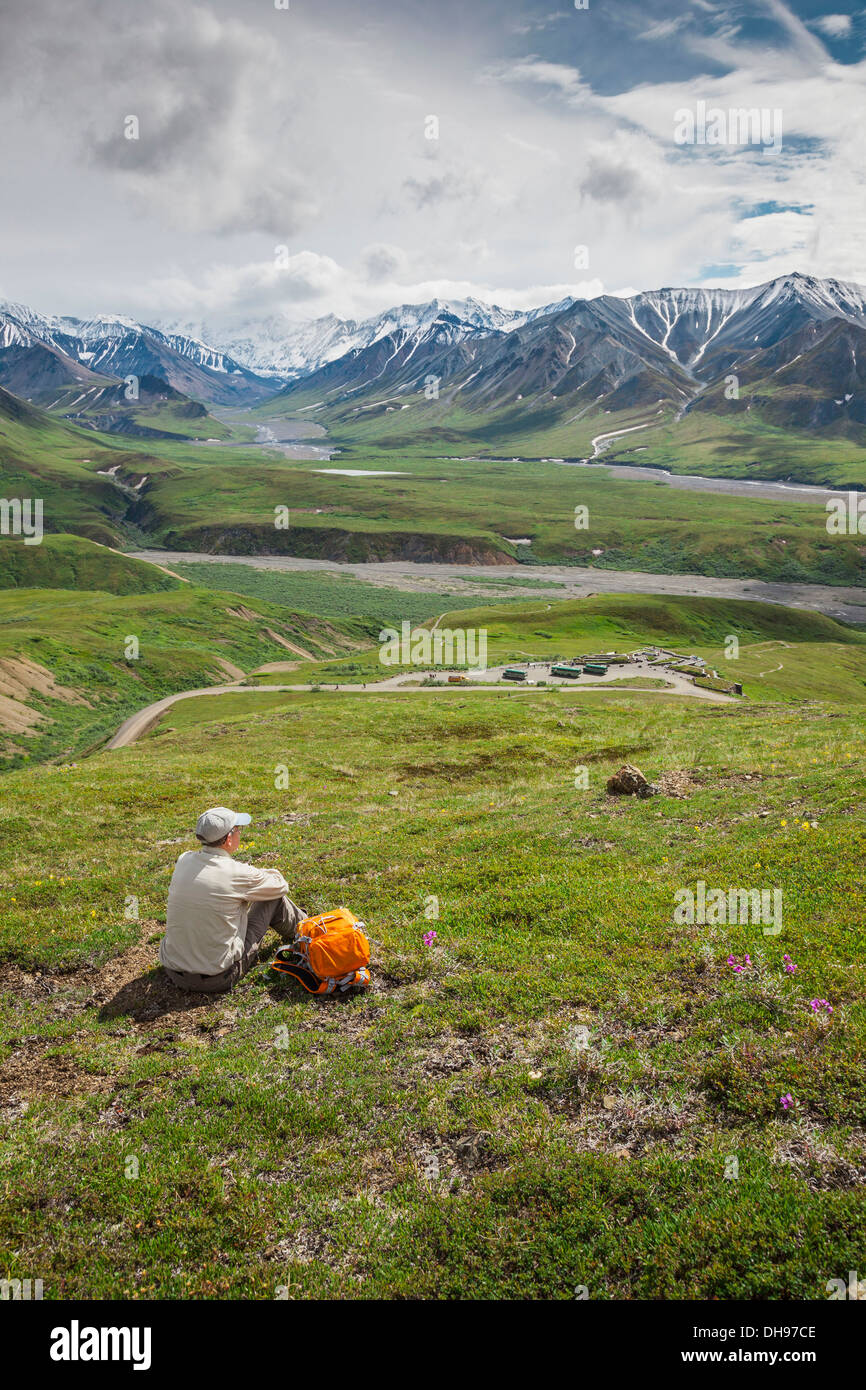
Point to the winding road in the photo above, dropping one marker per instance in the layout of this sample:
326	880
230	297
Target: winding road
488	682
615	434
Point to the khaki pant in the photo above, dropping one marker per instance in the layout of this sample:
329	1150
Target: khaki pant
279	913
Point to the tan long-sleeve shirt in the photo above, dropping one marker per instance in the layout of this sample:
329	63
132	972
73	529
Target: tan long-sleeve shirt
208	902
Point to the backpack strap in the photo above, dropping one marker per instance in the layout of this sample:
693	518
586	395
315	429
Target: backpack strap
285	965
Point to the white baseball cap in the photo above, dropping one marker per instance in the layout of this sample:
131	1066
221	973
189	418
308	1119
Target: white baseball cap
215	824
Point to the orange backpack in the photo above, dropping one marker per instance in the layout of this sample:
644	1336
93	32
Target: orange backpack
330	952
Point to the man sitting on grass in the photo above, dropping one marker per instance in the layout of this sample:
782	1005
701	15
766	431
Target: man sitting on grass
219	910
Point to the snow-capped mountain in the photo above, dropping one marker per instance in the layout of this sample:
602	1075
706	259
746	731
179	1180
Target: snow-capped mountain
408	350
667	347
666	350
283	348
39	353
688	324
707	329
685	321
589	346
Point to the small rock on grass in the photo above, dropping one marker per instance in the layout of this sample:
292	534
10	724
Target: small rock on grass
630	781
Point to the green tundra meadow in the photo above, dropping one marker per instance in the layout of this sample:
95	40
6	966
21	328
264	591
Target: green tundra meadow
507	593
565	1092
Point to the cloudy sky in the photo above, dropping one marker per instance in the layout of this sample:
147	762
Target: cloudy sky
284	162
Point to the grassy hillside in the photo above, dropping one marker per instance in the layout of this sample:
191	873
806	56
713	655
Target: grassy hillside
332	594
565	1088
740	441
67	680
469	512
57	462
159	411
71	562
90	483
604	618
783	653
743	446
185	496
68	677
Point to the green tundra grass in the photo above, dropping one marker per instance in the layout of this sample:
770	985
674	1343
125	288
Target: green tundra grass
92	658
72	562
781	654
334	594
184	496
189	637
469	512
720	446
733	440
565	1091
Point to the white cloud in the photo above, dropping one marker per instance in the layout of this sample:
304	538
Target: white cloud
804	44
540	72
665	28
307	128
224	295
836	26
530	26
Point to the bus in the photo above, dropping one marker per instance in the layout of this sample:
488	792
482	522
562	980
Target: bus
569	672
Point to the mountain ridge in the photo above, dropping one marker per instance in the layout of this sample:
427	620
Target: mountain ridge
662	351
669	348
44	351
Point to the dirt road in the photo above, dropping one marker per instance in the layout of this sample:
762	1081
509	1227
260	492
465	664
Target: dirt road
488	683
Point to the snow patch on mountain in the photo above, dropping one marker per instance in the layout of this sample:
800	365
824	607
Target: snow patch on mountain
686	323
282	347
